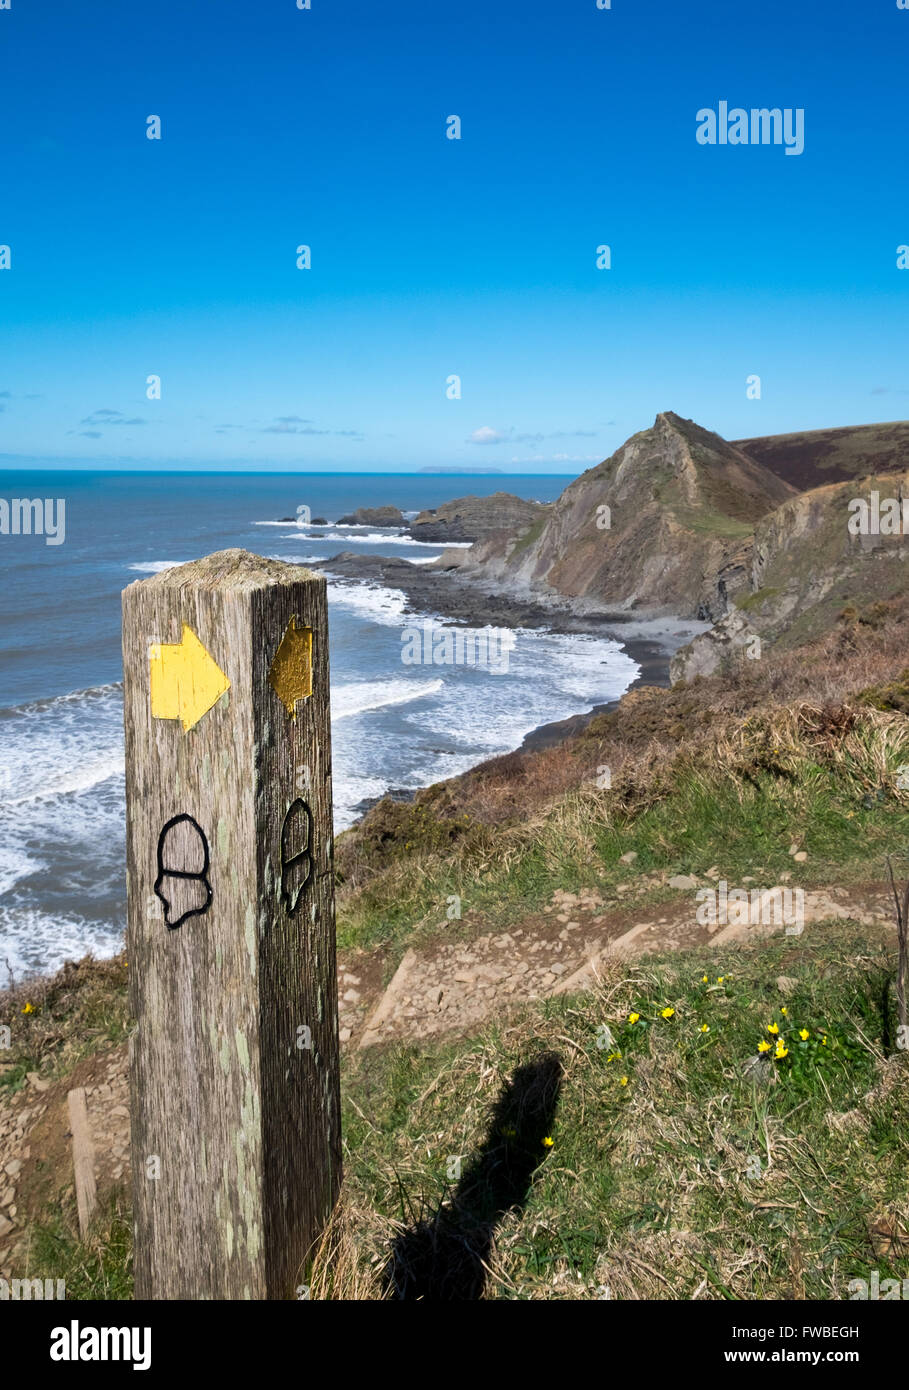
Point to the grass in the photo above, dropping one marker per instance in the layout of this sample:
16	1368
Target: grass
711	1172
893	694
827	782
56	1020
746	602
713	524
528	537
707	1173
99	1267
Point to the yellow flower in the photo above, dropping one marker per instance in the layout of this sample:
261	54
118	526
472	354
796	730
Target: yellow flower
804	1034
705	1027
29	1009
823	1042
773	1027
781	1049
720	979
548	1143
623	1081
614	1057
667	1012
633	1018
784	1010
763	1047
704	980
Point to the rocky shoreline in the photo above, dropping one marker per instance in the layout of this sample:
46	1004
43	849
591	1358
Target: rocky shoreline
444	592
465	599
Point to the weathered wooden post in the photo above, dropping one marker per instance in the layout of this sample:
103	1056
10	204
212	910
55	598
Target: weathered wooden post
234	1065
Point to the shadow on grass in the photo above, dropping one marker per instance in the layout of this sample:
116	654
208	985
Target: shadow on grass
444	1256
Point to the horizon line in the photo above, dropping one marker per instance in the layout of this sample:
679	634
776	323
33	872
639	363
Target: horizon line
278	473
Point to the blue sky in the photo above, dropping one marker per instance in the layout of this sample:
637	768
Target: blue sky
433	257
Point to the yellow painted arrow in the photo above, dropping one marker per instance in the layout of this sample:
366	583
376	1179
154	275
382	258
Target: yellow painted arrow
185	679
290	675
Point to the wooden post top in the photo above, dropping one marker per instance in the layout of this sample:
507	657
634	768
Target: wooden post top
239	570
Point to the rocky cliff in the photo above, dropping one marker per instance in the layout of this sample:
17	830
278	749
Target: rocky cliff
663	526
811	563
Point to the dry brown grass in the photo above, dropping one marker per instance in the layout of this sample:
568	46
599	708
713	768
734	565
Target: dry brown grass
349	1260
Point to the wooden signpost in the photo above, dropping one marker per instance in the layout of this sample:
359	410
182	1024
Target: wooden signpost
234	1062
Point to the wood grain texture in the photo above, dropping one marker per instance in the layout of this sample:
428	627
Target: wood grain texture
83	1158
234	1061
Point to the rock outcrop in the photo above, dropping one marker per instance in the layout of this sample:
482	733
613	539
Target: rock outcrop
807	568
476	518
664	526
373	516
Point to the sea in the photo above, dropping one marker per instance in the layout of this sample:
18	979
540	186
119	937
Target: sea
394	726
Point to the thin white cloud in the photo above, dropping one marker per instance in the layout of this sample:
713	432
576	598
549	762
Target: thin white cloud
487	435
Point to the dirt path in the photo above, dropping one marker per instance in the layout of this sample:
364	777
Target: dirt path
455	987
446	987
